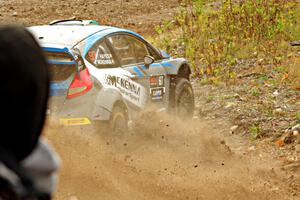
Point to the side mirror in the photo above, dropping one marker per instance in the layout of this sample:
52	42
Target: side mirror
148	60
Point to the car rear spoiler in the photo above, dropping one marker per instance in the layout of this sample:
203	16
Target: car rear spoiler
60	50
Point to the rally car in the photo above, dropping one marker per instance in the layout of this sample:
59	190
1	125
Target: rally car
103	73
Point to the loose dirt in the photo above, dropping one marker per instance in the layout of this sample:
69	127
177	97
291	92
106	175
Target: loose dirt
163	159
140	15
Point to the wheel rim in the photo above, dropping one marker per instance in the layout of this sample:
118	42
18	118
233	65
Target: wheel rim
185	103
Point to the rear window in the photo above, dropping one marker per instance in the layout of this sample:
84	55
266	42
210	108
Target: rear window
61	72
61	65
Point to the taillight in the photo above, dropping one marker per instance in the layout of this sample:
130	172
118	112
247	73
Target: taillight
81	84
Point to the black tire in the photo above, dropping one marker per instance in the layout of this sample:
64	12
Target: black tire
119	121
184	99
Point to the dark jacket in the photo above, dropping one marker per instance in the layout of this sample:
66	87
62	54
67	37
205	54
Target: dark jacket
24	94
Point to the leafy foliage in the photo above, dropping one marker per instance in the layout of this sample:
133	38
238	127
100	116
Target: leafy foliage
217	36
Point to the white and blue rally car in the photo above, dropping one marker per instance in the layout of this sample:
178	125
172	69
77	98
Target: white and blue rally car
103	73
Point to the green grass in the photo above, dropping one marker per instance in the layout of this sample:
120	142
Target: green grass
255	132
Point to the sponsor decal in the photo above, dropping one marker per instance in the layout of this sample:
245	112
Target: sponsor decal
74	121
157	93
157	87
123	83
133	92
130	89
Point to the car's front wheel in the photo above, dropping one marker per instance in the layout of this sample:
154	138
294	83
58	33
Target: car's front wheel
184	99
119	120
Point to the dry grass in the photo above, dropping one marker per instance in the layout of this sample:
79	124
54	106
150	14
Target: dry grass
294	73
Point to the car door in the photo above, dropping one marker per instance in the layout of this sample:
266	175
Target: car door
104	65
130	51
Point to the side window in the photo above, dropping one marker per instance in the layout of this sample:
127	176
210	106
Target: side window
100	56
140	49
123	49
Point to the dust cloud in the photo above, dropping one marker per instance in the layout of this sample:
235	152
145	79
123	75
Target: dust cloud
161	158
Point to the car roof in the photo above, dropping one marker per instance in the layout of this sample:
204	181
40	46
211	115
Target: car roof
65	35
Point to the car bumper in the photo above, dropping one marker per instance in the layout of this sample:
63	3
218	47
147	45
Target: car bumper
81	110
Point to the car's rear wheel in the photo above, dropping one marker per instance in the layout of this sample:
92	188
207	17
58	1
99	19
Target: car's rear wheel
119	120
184	99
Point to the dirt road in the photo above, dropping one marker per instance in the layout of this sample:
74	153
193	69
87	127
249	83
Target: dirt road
167	161
139	15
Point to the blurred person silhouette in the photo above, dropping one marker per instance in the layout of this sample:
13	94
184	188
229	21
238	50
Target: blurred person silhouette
28	164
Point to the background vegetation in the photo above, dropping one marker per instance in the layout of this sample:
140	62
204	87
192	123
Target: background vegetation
217	37
241	55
